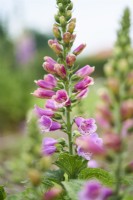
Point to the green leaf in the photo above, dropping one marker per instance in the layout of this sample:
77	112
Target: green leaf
2	193
71	165
56	176
95	173
73	187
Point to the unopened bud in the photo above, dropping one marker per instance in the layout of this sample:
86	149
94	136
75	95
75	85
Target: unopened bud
56	48
71	27
70	6
68	15
56	32
52	193
56	17
113	84
60	70
108	69
122	65
61	7
46	162
34	177
67	37
79	49
70	60
62	21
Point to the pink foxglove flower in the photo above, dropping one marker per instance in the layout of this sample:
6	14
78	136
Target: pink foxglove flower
49	82
47	124
89	144
48	146
42	93
85	71
51	104
40	112
61	98
55	46
79	49
82	94
83	84
93	190
86	126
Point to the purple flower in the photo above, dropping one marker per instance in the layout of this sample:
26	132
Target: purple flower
92	164
85	71
40	112
47	124
93	190
51	104
86	126
83	84
60	70
49	82
90	144
48	146
48	65
79	49
43	94
82	94
61	98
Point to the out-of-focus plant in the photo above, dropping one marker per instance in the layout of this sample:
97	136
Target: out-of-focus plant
115	114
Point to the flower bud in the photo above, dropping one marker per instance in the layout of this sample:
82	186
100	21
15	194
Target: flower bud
113	85
61	7
52	193
108	69
57	48
68	15
56	31
71	27
62	21
34	177
60	70
127	109
56	17
70	59
45	163
70	6
67	37
122	65
79	49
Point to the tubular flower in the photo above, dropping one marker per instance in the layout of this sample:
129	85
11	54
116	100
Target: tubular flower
40	112
82	94
48	65
83	84
48	146
60	70
89	144
51	104
85	71
49	82
47	124
61	98
43	94
86	126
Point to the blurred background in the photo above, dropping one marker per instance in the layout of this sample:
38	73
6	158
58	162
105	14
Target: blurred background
25	27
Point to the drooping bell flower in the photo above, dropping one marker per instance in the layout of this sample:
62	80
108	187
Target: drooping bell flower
79	49
47	124
49	82
61	98
85	71
86	126
40	112
48	146
43	94
83	84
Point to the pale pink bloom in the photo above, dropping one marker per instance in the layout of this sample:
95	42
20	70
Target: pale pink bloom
85	71
49	82
79	49
42	93
83	84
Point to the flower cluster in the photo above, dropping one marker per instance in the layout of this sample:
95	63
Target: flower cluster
63	86
115	114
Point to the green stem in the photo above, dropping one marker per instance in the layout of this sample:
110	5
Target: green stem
69	131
